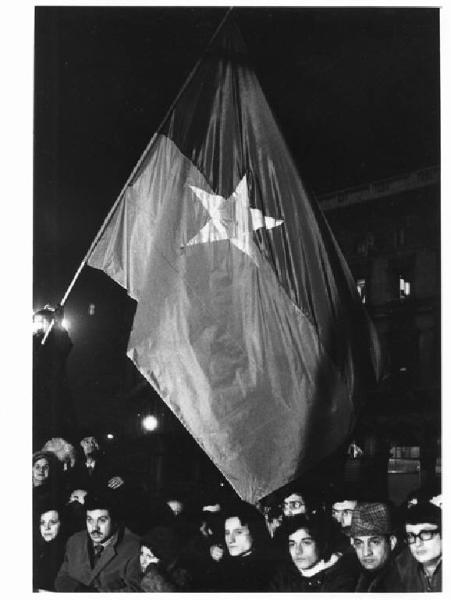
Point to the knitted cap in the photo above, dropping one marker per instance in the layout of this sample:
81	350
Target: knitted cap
371	518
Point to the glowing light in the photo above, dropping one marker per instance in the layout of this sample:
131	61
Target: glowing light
110	436
65	323
150	423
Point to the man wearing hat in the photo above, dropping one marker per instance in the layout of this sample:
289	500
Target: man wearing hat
373	540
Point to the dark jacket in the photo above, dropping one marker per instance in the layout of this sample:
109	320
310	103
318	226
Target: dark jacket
250	573
374	581
47	559
95	479
335	578
116	571
170	579
53	410
407	575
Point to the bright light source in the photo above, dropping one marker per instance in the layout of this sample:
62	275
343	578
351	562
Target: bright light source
40	324
66	324
110	436
150	423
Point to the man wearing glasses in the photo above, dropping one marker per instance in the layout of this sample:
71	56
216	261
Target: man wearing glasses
294	504
419	566
424	538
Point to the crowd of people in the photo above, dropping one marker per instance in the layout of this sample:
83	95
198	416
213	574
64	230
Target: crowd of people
94	531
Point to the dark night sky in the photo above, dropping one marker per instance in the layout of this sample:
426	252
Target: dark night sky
355	92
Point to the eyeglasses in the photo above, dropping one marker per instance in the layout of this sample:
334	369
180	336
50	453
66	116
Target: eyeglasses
424	535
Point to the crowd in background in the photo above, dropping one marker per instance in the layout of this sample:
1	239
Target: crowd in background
93	530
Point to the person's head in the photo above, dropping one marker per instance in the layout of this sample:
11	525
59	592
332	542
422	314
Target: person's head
176	505
159	545
341	511
429	492
50	524
211	523
41	320
89	445
101	518
274	519
147	557
41	470
294	504
308	539
244	529
63	450
423	524
78	496
372	534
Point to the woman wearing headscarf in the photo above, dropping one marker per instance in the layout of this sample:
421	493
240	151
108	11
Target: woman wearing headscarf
49	545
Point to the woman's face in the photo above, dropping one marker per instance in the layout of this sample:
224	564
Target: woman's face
40	471
237	537
303	549
147	557
50	525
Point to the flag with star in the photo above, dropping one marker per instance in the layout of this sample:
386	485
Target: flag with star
248	323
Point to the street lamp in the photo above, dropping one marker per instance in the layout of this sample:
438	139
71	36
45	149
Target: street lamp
149	423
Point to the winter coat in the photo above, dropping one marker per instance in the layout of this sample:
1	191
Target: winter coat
250	573
159	579
95	479
116	571
47	559
407	575
335	576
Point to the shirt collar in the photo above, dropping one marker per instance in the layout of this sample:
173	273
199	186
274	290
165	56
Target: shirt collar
110	541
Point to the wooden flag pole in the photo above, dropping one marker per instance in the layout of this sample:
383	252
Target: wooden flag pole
133	173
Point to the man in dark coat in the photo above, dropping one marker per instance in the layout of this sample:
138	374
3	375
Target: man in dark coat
374	542
104	558
53	411
95	471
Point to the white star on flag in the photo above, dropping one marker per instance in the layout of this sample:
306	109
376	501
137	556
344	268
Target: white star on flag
231	219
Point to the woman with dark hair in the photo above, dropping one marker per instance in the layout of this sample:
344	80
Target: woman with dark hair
311	563
249	563
49	545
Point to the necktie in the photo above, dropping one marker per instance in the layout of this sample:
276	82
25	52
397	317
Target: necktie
97	552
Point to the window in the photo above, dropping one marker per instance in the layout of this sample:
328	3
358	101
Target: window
361	289
404	287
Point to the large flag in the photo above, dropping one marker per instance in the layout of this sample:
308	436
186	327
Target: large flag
248	323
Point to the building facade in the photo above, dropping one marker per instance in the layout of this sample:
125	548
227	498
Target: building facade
389	232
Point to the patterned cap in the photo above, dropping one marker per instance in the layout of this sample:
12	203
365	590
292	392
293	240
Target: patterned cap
371	518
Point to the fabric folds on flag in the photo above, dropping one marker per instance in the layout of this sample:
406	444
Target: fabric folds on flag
248	323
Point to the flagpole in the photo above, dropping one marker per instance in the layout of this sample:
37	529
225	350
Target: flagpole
133	173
